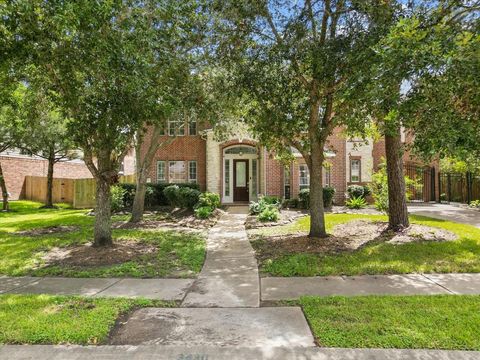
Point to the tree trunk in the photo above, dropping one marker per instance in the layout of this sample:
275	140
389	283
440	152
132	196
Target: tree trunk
103	229
397	200
49	199
139	200
3	187
317	215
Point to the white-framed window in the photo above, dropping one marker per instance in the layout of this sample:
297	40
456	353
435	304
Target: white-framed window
192	127
161	176
327	176
177	172
355	168
192	171
304	176
176	127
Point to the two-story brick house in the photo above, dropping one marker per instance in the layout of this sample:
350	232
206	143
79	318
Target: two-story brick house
240	169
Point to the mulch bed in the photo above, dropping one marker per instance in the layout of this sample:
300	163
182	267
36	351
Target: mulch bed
177	219
346	237
88	256
48	230
287	216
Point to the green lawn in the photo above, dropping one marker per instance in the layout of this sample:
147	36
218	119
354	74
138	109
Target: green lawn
178	255
462	255
403	322
45	319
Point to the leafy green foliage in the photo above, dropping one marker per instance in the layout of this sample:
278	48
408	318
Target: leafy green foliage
208	199
328	194
475	204
358	191
182	197
379	187
263	203
117	194
269	213
402	322
356	203
203	212
154	196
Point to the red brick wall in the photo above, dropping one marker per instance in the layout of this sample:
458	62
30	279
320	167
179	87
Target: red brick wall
183	148
273	176
16	168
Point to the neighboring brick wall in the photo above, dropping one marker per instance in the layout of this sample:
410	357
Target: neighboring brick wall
16	168
183	148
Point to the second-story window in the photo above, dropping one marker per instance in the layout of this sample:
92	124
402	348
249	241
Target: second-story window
176	127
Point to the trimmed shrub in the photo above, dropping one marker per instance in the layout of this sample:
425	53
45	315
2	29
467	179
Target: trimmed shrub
328	193
187	197
256	208
270	213
203	212
154	195
304	198
358	191
171	194
208	199
116	198
356	203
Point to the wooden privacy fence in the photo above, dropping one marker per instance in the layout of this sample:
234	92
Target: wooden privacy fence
80	193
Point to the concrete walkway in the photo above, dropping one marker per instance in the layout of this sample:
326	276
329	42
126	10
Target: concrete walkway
447	212
161	352
276	288
229	277
160	289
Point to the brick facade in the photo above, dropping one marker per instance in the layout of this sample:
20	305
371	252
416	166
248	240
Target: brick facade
182	148
271	171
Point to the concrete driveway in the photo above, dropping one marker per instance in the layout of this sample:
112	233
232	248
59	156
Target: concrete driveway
447	212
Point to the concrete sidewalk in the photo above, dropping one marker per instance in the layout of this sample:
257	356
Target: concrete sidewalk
159	289
161	352
276	288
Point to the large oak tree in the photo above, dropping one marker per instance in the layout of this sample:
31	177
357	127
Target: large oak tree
293	61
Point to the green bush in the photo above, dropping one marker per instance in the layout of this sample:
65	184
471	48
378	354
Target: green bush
358	191
270	213
264	202
328	193
304	198
154	195
187	197
171	194
208	199
379	187
116	198
475	204
356	203
203	212
271	200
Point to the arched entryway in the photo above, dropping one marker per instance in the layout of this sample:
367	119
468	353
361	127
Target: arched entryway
240	173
